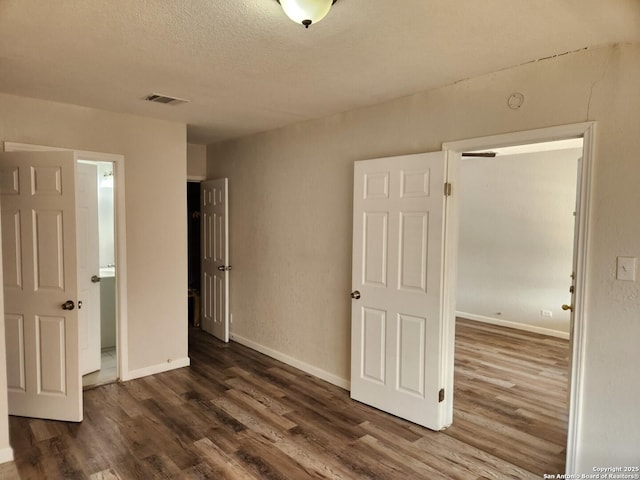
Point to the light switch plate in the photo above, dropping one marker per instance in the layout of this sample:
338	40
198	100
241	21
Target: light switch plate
626	269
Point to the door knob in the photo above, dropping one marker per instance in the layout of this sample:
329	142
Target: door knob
68	305
95	278
567	307
221	268
355	295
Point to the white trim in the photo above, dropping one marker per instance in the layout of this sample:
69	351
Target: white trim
122	337
86	154
196	178
449	286
578	333
549	134
525	327
6	455
122	347
154	369
294	362
585	130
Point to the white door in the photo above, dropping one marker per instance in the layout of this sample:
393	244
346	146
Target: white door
396	315
214	214
37	193
88	257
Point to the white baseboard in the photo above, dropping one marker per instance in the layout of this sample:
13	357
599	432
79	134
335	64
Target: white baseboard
6	455
518	326
153	369
294	362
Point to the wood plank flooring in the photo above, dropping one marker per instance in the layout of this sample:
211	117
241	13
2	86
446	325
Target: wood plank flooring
236	414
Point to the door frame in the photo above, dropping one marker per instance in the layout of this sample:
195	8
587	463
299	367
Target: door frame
122	350
453	151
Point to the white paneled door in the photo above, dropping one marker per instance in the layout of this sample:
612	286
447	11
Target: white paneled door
396	316
214	215
88	257
40	284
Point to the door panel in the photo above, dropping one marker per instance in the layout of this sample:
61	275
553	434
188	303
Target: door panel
215	258
375	248
48	252
11	251
50	358
374	332
38	251
397	269
14	334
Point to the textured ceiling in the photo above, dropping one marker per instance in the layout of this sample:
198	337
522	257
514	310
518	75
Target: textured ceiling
245	67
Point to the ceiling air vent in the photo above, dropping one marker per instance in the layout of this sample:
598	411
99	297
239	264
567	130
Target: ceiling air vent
157	98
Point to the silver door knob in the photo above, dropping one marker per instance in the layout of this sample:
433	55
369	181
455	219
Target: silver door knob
95	278
68	305
221	268
355	295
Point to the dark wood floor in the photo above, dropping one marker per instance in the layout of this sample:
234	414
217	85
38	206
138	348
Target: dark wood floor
237	414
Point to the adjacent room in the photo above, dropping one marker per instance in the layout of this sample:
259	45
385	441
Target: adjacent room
302	273
515	271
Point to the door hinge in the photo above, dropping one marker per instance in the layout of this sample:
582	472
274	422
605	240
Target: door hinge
441	395
447	189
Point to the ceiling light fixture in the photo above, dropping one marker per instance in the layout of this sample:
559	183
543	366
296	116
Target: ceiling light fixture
306	12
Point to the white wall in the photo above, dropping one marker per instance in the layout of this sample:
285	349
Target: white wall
196	161
290	213
108	312
516	238
155	184
106	219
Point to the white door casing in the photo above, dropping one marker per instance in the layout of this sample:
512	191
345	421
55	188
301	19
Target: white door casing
214	215
38	249
397	323
88	257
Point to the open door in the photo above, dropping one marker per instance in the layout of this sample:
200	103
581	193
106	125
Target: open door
397	276
214	216
88	257
37	193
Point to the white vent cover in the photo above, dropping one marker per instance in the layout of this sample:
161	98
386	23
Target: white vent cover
158	98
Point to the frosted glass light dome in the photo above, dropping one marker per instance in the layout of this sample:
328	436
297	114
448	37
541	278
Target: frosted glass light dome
306	12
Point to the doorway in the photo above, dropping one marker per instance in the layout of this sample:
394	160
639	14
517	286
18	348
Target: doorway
114	163
194	252
104	371
516	252
454	150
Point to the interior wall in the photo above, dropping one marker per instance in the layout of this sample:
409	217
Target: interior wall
196	161
516	233
106	219
155	203
291	218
